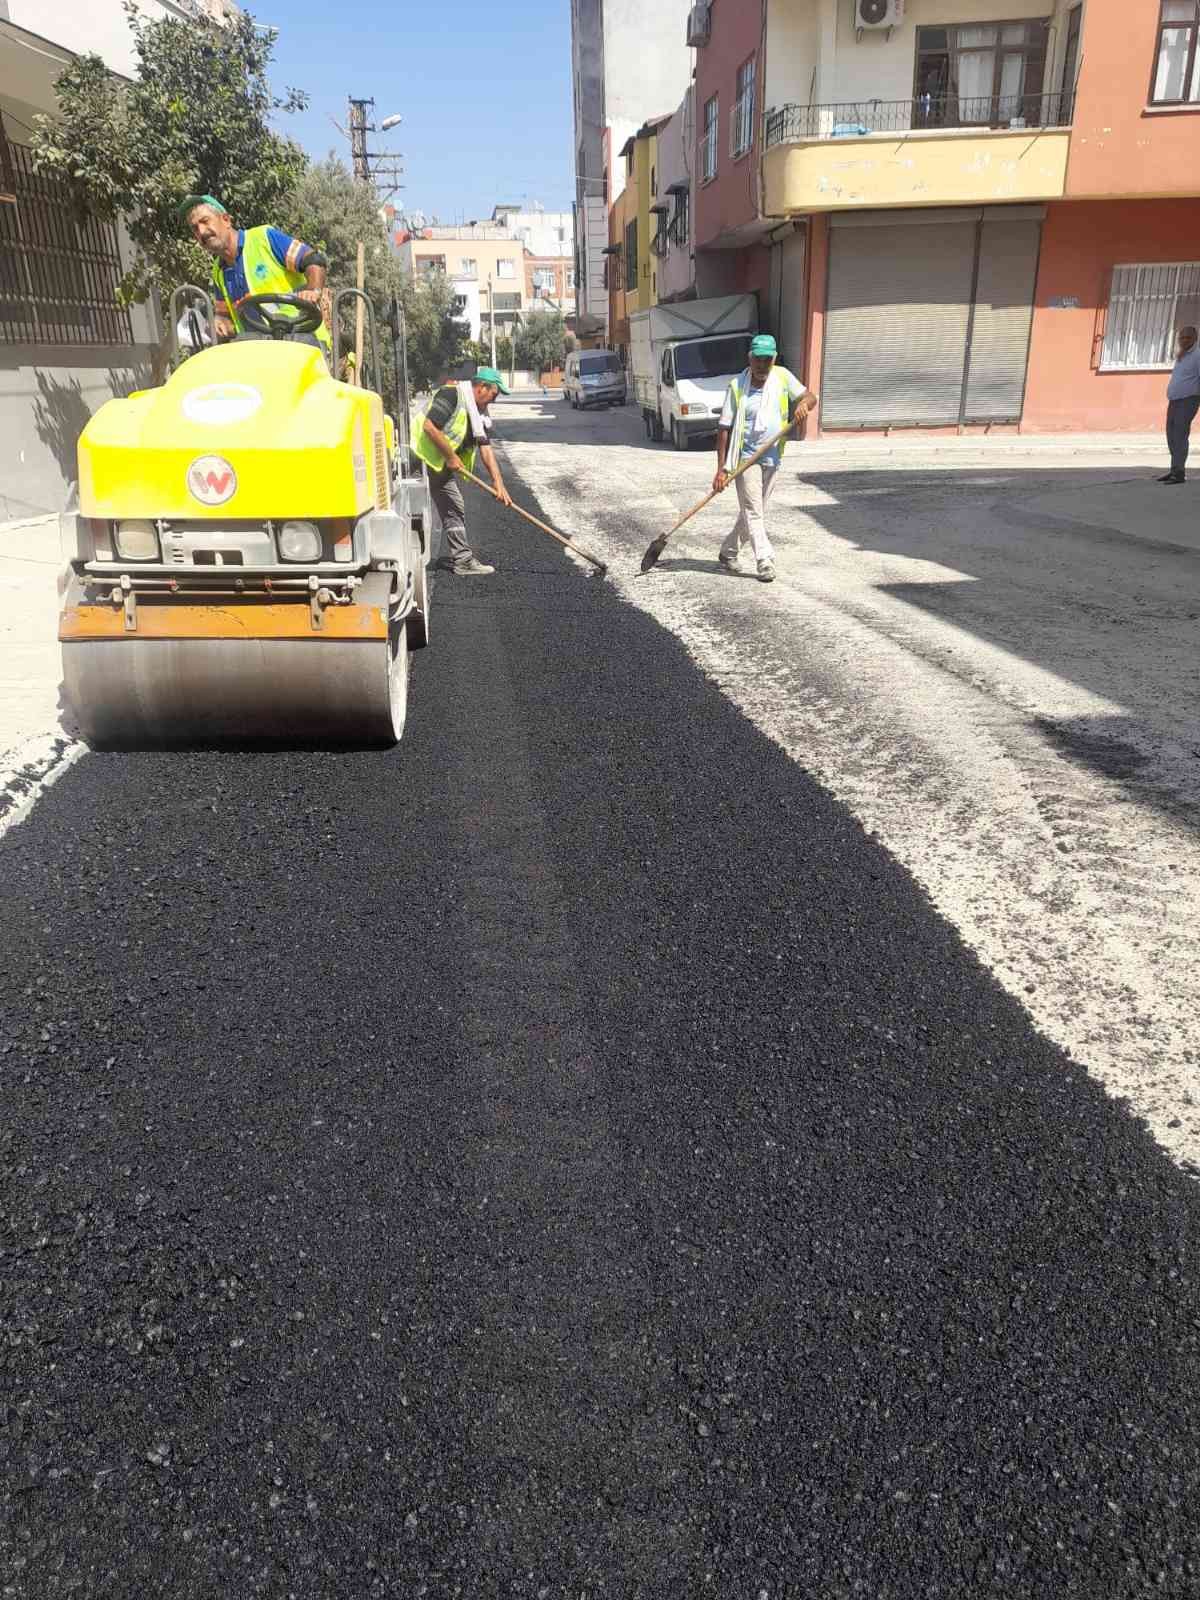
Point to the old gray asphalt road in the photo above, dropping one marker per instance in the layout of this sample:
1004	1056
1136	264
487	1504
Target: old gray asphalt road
563	1157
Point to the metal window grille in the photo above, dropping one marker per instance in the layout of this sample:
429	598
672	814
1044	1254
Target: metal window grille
59	269
741	128
1146	306
680	229
708	148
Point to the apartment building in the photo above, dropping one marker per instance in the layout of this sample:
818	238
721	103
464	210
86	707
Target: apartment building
959	214
626	65
66	346
635	233
672	241
485	264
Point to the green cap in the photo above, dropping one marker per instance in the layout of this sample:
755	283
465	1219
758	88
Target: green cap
490	375
191	201
763	344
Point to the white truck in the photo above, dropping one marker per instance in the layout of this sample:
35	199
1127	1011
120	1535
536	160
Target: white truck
683	357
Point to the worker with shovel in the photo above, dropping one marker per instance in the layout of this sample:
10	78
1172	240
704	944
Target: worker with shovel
763	401
446	437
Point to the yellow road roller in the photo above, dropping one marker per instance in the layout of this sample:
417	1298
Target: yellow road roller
249	558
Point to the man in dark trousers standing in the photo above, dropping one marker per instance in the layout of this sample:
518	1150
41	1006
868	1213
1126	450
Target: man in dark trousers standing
1183	401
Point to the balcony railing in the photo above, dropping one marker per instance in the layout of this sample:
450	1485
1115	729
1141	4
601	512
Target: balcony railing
853	119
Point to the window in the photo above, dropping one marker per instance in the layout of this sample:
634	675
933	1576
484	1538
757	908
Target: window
1147	305
712	358
986	75
466	268
460	304
570	277
631	262
1177	71
59	269
506	269
506	302
680	230
741	131
428	265
708	143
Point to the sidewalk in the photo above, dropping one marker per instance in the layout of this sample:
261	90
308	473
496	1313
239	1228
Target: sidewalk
32	741
997	447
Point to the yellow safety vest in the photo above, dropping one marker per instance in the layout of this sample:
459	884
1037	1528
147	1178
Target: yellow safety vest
455	430
264	275
738	390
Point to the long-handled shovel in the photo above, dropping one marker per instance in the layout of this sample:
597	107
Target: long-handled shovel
600	566
656	548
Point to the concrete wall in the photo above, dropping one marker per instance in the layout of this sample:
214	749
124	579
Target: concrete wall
1081	243
729	200
676	164
99	27
815	57
1122	146
943	168
647	64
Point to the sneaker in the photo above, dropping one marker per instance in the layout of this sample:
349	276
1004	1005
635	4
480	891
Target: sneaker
766	572
472	568
731	563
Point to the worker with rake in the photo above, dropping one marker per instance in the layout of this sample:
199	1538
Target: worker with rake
763	401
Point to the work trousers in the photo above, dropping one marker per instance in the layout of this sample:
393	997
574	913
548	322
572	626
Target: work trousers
451	508
753	492
1180	414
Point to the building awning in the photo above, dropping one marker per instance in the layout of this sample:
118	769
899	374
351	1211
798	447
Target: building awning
611	250
682	187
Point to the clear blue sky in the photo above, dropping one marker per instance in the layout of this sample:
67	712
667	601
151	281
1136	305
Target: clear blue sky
485	92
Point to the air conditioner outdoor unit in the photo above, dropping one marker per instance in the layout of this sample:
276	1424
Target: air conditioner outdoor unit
878	13
699	24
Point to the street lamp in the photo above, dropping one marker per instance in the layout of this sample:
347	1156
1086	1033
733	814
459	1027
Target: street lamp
390	122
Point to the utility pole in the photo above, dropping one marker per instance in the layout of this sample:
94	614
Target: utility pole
492	316
372	166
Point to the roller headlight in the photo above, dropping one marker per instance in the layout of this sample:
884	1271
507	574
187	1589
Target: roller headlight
137	541
300	541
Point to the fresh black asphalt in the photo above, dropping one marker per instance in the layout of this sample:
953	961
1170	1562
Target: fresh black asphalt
562	1157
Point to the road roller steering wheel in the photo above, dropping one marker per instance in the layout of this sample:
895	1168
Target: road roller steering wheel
261	313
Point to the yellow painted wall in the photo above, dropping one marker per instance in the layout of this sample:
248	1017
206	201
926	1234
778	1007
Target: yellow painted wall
915	170
645	166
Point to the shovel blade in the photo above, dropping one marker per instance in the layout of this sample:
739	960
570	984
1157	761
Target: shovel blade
653	551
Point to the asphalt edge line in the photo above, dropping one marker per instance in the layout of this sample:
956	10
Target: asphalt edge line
29	770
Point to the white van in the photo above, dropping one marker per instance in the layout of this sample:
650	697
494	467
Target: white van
594	378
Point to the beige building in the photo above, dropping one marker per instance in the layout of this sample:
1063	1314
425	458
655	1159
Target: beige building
485	264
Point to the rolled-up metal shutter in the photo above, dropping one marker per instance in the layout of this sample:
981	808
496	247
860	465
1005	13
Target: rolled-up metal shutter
1008	260
896	321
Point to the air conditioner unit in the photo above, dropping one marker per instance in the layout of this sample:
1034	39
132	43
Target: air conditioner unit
878	13
699	25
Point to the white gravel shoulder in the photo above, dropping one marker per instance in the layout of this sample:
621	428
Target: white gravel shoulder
990	655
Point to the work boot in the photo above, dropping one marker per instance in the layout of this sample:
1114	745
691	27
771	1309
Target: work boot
472	567
766	572
1173	477
729	560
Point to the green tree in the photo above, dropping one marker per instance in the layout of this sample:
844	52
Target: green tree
542	342
195	120
436	338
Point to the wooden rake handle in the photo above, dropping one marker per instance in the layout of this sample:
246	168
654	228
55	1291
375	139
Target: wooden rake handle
745	467
545	527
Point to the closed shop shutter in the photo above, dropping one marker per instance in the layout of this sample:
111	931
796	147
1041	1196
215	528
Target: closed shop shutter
1008	260
896	322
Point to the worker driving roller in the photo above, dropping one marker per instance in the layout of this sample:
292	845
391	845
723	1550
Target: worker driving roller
252	261
441	441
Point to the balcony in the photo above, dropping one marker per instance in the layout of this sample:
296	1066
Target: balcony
929	151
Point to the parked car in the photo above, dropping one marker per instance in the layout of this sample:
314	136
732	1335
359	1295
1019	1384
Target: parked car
594	378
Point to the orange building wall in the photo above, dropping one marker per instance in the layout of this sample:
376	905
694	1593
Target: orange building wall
1120	147
1081	243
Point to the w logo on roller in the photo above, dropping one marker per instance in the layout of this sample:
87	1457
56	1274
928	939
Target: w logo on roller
211	480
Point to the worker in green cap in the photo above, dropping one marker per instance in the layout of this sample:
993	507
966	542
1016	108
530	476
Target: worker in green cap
453	426
762	401
250	261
